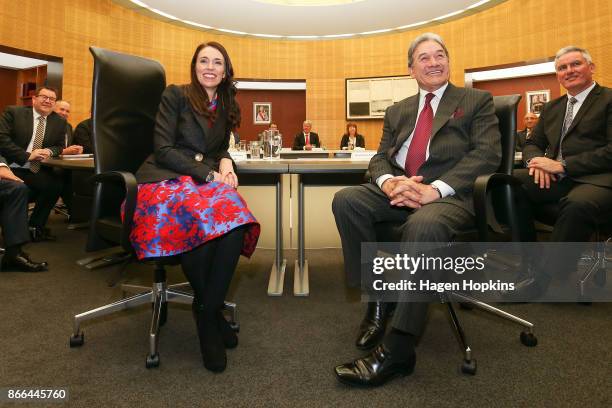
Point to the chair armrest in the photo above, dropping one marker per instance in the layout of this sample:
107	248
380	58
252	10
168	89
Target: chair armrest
128	180
485	215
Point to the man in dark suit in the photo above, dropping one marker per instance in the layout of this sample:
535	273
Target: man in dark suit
62	108
83	136
29	135
14	222
530	120
569	163
306	140
433	147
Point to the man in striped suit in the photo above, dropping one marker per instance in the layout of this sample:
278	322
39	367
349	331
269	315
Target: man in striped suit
434	145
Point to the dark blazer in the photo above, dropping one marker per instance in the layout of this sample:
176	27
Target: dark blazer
521	137
359	141
69	135
82	135
299	141
16	127
587	146
465	141
181	137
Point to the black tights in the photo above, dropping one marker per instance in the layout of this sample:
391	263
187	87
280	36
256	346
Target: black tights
210	267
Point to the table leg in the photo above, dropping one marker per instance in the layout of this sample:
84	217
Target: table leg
300	277
277	273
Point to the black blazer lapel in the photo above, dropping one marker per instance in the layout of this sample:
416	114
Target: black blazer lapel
28	126
448	104
408	118
556	125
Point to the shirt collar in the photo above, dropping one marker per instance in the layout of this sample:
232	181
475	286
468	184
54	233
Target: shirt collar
582	95
438	92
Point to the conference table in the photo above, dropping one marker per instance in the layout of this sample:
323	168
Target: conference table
312	169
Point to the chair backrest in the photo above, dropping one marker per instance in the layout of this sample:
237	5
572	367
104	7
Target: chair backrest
125	98
506	107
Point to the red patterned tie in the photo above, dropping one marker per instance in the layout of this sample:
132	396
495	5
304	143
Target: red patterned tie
307	138
422	132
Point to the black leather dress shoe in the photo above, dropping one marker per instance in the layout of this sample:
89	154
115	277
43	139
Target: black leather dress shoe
372	328
23	263
39	234
375	369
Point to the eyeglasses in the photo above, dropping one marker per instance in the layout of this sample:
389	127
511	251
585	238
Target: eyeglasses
47	98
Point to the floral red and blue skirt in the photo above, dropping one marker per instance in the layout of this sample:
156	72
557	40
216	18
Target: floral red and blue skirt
178	215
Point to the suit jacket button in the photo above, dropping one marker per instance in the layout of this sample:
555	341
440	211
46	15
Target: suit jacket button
199	157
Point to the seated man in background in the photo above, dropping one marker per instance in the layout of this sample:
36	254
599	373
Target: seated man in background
569	163
530	120
434	145
62	108
83	136
29	135
14	222
306	140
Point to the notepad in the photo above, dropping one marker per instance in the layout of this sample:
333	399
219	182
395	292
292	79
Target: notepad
75	156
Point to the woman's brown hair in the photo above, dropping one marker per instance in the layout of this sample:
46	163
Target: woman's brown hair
226	91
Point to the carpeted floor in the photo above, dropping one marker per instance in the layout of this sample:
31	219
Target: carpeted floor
288	345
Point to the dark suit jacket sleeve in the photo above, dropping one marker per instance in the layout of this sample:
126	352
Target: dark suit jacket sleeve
315	139
167	154
379	165
298	142
360	141
344	141
10	150
82	136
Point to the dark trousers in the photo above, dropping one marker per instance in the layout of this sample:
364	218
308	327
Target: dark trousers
45	188
357	209
581	207
14	212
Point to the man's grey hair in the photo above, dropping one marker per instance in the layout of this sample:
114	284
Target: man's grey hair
422	38
307	122
573	48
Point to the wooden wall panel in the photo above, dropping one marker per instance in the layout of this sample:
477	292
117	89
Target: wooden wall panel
515	30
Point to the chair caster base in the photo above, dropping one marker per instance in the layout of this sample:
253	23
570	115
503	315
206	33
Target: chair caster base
235	326
152	360
528	339
469	367
77	340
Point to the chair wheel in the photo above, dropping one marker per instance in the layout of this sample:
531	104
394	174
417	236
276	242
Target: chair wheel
469	367
152	360
77	340
235	326
528	339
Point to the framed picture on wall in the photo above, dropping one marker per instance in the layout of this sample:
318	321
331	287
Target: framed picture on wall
262	113
536	100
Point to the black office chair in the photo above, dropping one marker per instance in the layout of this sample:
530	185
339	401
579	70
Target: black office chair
125	98
495	219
